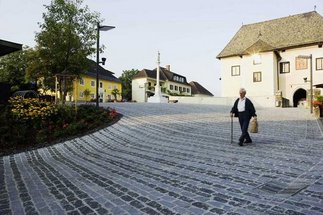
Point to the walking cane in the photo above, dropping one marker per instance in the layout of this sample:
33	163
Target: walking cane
231	129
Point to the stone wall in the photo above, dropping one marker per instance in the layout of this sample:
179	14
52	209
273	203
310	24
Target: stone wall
258	101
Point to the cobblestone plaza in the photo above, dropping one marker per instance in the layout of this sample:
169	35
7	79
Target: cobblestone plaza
173	159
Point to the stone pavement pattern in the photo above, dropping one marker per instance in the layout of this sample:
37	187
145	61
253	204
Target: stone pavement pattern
173	159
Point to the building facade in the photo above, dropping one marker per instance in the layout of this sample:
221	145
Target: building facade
275	60
143	84
87	81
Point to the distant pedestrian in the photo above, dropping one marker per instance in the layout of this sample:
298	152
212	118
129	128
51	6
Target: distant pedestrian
244	110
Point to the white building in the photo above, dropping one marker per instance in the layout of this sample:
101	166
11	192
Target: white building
274	56
143	84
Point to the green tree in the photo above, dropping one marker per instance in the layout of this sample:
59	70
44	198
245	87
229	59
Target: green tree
126	79
66	39
86	93
115	92
13	68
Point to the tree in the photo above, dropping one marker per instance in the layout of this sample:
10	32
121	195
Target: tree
115	92
126	79
86	93
13	68
66	39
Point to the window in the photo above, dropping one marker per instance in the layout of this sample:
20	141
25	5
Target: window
184	89
81	81
256	59
284	67
115	87
300	63
171	87
180	89
319	63
176	88
92	83
101	84
257	77
92	95
81	94
188	90
235	70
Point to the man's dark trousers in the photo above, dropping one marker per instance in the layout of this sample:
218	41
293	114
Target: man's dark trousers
244	119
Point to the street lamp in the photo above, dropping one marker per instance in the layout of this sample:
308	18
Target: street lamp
99	28
311	78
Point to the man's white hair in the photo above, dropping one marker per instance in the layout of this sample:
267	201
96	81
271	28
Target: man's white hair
242	90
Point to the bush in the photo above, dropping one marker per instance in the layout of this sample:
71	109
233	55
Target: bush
320	99
33	122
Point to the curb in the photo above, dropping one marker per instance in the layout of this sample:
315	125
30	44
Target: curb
320	124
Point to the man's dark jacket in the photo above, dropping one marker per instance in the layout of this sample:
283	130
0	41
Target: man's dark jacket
250	109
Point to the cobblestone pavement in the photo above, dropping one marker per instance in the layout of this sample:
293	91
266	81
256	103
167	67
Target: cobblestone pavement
173	159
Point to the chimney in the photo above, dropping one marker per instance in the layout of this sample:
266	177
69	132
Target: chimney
168	67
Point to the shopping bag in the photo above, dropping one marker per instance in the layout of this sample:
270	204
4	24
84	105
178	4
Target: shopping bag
253	125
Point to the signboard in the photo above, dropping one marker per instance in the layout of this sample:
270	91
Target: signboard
301	63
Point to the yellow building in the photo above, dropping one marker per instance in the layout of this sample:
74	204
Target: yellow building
87	82
107	83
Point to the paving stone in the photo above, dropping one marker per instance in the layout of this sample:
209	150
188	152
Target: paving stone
85	210
173	159
149	211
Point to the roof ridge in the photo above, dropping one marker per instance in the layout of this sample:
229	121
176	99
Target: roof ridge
281	18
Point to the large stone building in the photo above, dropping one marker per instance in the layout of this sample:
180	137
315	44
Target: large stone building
274	57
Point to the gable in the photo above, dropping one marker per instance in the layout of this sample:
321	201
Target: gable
259	46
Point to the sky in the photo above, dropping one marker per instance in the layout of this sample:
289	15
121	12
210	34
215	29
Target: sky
189	34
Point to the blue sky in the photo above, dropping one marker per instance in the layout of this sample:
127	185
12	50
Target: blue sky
189	34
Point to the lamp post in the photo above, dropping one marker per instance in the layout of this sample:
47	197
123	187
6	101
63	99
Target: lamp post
311	79
99	28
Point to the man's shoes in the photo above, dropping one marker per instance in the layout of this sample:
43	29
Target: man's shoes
248	141
240	143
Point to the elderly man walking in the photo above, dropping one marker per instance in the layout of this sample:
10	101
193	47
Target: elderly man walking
244	110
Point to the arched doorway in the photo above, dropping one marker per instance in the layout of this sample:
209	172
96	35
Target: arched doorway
299	95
